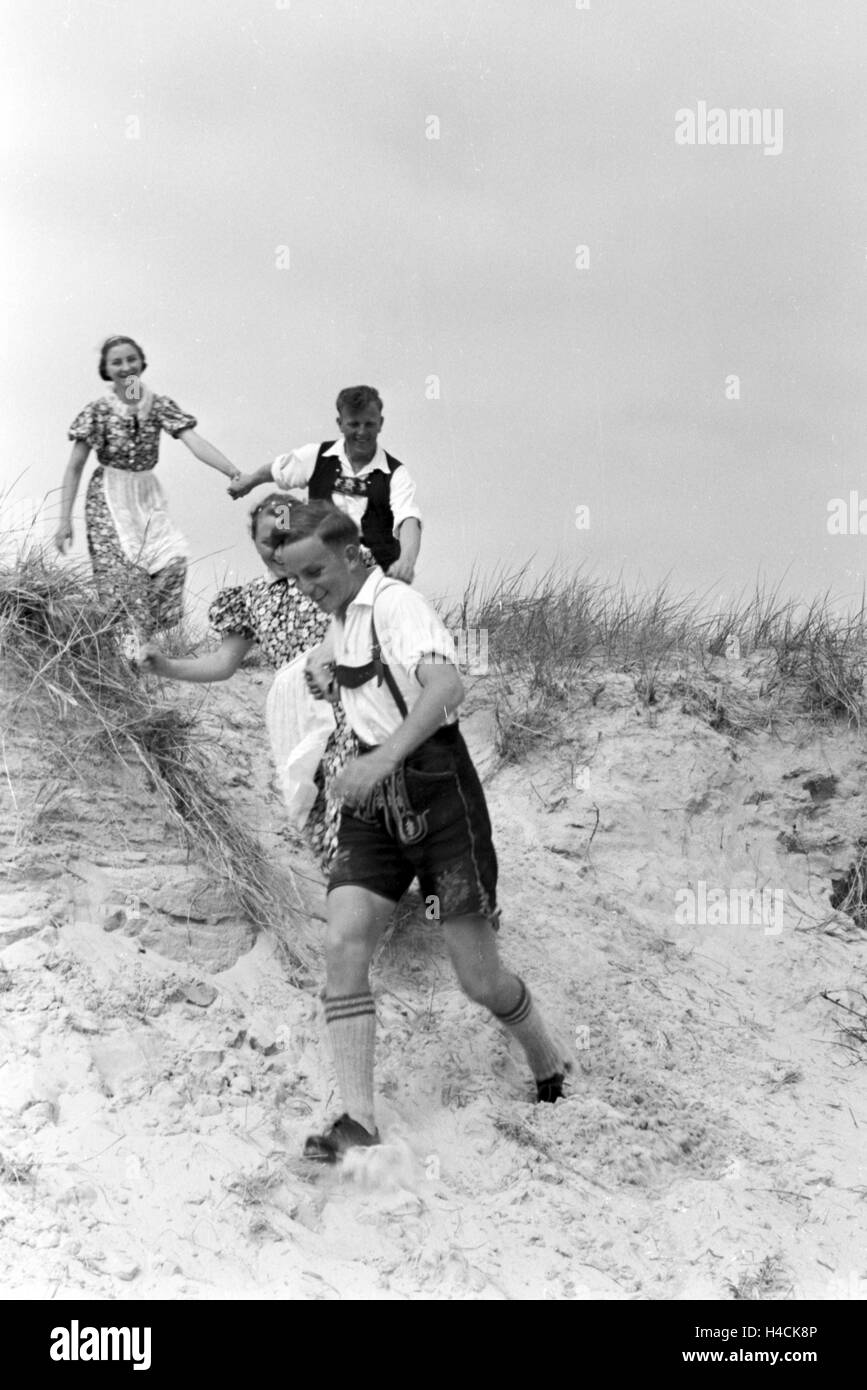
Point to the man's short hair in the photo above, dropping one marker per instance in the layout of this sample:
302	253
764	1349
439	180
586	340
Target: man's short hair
358	398
333	527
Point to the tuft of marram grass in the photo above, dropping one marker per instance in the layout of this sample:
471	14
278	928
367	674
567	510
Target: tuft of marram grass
542	633
61	645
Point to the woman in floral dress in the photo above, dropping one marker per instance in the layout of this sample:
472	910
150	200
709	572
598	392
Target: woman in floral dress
139	558
275	614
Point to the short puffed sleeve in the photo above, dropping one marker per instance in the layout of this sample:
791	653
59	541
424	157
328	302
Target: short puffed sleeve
84	428
171	418
230	613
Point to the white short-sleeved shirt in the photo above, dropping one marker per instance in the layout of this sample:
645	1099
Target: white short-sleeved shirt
295	469
409	632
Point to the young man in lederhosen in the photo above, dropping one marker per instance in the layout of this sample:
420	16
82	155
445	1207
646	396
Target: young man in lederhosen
412	806
359	477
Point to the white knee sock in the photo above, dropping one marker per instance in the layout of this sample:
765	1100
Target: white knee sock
351	1020
528	1026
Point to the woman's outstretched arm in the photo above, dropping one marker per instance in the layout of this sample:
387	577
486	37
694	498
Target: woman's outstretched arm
206	453
215	666
68	493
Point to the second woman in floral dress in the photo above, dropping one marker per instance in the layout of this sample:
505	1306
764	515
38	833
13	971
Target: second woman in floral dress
275	614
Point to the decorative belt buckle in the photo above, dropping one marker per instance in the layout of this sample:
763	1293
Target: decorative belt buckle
413	827
410	825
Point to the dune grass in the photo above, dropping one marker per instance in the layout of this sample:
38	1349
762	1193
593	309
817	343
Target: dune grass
762	660
66	675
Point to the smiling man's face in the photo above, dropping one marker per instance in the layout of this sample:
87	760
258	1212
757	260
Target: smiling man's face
360	430
330	576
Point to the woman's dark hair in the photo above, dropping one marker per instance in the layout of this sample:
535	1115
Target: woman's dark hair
322	519
276	505
112	343
358	398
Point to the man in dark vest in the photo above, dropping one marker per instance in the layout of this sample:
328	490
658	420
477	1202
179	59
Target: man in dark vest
359	477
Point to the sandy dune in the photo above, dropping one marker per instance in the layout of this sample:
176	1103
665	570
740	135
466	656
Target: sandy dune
158	1073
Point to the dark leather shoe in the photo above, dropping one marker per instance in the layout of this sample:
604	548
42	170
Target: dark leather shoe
344	1134
551	1088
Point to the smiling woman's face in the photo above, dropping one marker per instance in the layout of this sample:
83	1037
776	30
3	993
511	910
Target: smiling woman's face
122	361
268	540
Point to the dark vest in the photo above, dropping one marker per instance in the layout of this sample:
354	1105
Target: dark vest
377	523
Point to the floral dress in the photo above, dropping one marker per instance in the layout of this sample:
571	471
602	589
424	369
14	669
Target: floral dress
139	558
274	613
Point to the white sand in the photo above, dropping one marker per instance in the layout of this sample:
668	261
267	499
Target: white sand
715	1131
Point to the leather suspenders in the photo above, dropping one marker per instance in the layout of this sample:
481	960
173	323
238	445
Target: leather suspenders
391	796
354	676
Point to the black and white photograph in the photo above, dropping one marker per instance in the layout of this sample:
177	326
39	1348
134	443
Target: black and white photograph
433	662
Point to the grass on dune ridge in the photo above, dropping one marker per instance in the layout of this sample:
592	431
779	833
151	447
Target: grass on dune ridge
762	663
546	639
557	631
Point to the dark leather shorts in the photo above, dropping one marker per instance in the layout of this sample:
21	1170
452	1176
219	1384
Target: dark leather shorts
428	820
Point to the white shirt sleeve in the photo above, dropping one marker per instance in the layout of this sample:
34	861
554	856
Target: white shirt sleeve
295	469
402	497
409	630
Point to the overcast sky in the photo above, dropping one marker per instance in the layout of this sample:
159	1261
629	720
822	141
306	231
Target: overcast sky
159	156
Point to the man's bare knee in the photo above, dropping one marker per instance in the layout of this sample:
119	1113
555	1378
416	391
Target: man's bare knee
355	923
472	945
481	990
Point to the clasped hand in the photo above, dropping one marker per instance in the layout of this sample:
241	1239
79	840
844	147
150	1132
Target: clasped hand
240	486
